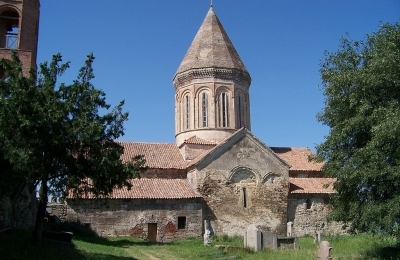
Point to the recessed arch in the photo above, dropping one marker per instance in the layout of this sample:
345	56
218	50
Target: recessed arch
184	93
270	178
240	109
201	89
186	111
242	174
203	107
9	26
223	104
186	108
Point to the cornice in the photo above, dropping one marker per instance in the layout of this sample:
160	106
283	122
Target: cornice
217	73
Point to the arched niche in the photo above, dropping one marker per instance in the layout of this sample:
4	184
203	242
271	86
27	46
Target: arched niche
270	178
242	174
9	27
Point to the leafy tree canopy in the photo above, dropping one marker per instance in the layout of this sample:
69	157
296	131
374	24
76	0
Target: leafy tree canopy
60	135
361	84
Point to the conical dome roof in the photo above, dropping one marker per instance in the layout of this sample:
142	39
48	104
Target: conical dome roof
211	48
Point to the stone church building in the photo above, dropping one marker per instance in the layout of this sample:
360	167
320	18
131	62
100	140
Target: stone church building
217	170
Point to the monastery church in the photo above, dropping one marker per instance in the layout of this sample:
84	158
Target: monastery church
217	170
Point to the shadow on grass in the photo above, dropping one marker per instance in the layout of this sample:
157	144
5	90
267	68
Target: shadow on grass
17	245
117	243
86	234
388	252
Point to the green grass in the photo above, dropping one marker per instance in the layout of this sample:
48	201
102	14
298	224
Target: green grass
15	245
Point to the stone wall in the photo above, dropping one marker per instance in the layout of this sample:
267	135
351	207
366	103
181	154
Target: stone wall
242	183
56	211
24	214
309	214
192	151
174	218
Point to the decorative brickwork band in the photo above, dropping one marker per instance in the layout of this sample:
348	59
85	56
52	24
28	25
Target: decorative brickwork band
185	77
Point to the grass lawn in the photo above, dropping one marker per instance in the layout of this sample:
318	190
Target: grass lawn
15	245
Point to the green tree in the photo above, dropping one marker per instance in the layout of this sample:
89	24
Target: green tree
361	84
61	135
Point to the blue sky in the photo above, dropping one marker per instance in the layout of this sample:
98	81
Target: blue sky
139	44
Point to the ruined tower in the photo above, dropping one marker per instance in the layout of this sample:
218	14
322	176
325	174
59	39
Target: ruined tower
211	87
19	28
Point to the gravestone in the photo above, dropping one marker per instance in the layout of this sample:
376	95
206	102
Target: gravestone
253	238
288	242
318	236
289	229
207	233
270	240
324	251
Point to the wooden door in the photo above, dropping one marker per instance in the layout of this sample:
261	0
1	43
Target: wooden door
152	232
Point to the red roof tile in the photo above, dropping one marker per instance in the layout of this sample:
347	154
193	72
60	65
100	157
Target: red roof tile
198	140
152	189
157	155
312	185
168	156
298	158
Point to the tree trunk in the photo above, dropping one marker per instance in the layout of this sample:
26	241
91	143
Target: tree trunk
37	232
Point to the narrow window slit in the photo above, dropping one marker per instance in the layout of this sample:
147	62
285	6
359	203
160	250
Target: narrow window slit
244	198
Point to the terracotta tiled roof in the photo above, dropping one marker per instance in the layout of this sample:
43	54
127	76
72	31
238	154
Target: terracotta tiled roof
157	155
152	189
168	156
198	140
312	185
298	158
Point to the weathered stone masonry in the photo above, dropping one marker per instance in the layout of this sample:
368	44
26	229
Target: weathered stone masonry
309	214
19	214
116	217
246	185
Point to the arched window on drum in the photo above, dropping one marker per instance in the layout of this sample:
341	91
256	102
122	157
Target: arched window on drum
186	109
223	109
203	109
240	111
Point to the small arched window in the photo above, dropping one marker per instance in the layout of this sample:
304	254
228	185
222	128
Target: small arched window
244	197
9	23
223	110
204	108
187	112
240	104
240	111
